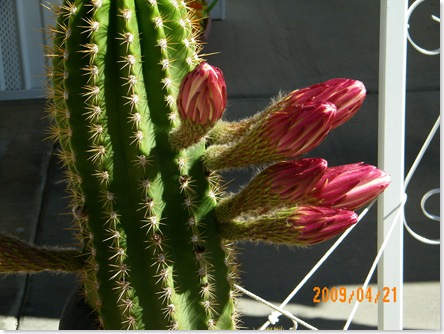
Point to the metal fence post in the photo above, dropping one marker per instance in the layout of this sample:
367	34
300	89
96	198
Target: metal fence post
392	90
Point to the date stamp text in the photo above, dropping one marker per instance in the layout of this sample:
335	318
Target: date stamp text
347	295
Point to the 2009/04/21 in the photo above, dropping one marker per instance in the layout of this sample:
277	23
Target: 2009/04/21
342	295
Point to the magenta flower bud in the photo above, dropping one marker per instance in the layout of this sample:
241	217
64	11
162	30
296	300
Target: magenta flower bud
202	95
303	225
279	135
346	94
317	224
350	186
280	184
288	181
296	130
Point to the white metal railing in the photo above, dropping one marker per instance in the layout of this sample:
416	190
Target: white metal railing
391	141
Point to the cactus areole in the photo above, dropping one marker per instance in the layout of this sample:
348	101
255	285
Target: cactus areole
154	258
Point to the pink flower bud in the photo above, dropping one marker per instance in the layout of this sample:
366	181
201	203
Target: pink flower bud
291	180
202	95
350	186
296	130
279	135
280	184
346	94
317	224
301	225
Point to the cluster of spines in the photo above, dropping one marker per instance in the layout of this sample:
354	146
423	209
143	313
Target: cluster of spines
100	152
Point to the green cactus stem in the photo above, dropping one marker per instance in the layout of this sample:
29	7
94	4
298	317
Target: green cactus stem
144	209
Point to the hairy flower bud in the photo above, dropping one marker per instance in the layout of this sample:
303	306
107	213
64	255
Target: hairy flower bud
280	135
203	95
317	224
350	186
296	130
346	94
291	180
303	225
280	184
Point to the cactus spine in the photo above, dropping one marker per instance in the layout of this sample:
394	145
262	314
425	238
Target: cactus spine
144	209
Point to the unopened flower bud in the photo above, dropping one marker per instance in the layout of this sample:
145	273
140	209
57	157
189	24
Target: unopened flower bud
303	225
203	95
280	135
295	131
317	224
291	180
350	186
346	94
280	184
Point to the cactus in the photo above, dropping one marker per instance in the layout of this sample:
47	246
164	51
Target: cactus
137	113
145	209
